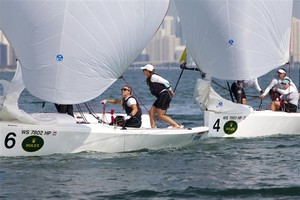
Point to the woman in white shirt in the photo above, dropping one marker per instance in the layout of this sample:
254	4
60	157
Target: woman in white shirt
289	98
161	89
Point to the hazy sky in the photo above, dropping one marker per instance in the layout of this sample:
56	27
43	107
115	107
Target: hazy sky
296	11
296	8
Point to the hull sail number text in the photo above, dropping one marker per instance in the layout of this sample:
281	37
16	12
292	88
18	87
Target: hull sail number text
10	140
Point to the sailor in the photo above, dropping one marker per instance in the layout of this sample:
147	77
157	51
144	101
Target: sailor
289	97
64	108
161	89
238	86
276	83
131	106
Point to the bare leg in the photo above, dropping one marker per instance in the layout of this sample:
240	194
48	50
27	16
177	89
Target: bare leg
152	112
275	105
161	115
272	105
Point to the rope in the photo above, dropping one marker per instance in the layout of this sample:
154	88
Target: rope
254	96
260	105
103	113
182	66
220	85
230	92
81	113
91	111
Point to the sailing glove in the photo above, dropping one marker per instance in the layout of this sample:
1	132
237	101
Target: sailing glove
103	101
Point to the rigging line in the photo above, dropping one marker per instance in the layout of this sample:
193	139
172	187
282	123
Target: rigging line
43	106
138	98
230	92
81	113
260	105
91	111
216	83
254	96
104	118
219	85
197	69
182	66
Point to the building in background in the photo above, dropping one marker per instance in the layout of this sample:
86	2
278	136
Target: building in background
7	55
165	48
295	42
3	55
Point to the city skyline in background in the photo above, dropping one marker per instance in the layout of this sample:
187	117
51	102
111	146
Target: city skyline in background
166	47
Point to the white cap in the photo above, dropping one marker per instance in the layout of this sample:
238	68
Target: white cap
281	71
148	67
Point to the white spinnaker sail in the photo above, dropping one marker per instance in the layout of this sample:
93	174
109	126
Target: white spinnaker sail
236	39
73	50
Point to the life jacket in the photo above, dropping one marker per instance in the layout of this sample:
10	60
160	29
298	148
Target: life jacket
128	109
155	88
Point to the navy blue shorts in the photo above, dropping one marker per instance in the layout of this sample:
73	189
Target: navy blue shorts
288	107
133	122
163	100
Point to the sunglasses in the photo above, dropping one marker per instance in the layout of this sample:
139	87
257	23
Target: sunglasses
124	89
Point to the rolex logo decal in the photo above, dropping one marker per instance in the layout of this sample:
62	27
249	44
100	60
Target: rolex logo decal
32	143
230	127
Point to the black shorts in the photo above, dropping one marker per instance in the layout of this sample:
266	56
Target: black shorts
163	100
133	122
235	88
288	107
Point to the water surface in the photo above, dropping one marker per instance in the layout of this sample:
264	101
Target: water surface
222	168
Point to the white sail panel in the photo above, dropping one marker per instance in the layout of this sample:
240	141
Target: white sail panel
72	51
234	39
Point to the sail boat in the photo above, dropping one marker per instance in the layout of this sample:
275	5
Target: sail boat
237	40
70	52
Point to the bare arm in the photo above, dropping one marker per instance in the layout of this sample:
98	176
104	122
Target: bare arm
134	109
115	101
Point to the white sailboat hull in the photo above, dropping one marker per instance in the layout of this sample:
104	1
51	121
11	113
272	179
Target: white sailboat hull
255	124
19	139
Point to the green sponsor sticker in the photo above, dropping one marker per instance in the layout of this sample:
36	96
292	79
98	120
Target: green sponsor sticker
230	127
32	143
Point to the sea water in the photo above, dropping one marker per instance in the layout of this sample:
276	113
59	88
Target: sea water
221	168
